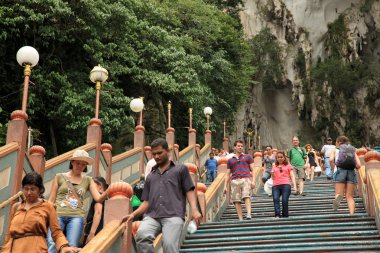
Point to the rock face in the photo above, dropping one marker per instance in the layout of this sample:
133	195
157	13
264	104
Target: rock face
302	26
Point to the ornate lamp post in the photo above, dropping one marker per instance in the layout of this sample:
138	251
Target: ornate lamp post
137	105
98	75
28	58
207	111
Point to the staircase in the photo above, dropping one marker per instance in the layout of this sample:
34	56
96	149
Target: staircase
313	226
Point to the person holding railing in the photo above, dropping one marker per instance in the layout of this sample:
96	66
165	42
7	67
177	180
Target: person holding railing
30	220
164	202
68	192
95	216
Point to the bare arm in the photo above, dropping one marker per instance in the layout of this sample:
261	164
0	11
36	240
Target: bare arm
252	166
98	208
53	190
358	164
332	159
293	178
95	194
139	211
195	214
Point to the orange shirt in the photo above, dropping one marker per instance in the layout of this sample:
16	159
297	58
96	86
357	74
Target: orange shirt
36	221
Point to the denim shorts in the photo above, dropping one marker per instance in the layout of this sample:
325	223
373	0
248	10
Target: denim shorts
345	176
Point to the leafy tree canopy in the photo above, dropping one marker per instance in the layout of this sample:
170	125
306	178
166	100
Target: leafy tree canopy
187	51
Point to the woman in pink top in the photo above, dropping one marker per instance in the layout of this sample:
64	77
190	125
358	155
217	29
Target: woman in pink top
281	173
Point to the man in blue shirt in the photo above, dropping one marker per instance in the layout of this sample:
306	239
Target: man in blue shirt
211	167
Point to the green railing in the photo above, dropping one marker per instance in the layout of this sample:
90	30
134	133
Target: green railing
8	157
187	155
126	166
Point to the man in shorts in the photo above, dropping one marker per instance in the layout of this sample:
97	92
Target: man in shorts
298	159
240	177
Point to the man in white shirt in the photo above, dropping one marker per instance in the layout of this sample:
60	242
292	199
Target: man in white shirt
326	151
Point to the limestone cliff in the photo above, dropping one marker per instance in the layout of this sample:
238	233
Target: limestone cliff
310	35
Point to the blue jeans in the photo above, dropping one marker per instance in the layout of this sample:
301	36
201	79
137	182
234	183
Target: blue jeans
211	175
149	228
72	227
328	168
277	191
266	176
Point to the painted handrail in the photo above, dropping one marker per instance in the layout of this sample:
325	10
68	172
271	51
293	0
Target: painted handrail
187	155
11	199
186	150
126	154
373	181
9	148
105	238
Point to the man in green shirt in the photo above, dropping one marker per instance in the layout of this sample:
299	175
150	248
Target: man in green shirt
298	159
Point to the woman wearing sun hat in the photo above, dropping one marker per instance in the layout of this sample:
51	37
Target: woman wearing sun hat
68	191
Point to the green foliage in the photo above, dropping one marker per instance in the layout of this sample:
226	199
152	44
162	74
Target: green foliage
267	55
186	51
300	63
335	39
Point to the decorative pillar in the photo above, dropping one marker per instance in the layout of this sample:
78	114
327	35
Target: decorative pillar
148	152
107	153
225	139
192	131
193	170
37	159
176	152
361	152
17	128
222	165
201	195
98	75
139	142
17	132
117	206
372	162
137	105
258	165
94	135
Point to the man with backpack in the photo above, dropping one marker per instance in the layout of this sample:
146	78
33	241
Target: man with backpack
346	160
298	159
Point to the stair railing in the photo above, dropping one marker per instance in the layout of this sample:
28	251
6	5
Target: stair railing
369	175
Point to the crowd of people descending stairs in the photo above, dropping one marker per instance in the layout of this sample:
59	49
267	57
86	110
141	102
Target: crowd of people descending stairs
303	179
284	170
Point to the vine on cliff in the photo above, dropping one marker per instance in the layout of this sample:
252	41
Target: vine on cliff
268	60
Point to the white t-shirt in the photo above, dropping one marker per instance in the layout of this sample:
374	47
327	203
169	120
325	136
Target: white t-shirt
149	166
327	149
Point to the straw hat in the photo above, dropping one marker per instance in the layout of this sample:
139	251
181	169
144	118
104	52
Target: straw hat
82	155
